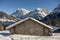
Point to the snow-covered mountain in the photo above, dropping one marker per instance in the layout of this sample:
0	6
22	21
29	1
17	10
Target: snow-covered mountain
37	13
41	11
20	12
6	17
54	17
55	14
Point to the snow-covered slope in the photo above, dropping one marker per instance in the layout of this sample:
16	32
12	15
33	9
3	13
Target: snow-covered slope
20	12
55	14
54	17
42	12
37	13
6	17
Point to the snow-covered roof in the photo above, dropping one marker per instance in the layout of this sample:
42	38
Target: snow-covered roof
5	31
27	19
54	28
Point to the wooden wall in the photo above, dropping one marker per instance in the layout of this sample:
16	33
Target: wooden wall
30	27
1	27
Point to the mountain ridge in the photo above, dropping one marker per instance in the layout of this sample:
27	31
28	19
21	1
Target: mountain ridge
54	17
23	13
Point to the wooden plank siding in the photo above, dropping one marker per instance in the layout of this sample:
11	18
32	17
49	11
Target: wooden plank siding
29	27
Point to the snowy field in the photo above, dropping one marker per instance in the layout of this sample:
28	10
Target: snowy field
29	37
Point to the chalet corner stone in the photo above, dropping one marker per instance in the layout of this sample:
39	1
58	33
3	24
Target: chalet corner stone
29	26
